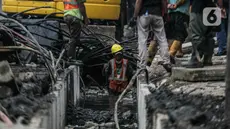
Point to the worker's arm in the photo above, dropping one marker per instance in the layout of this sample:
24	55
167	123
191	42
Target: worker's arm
137	8
130	71
107	69
83	11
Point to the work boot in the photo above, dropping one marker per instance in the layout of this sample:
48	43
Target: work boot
168	67
193	62
174	47
179	53
152	50
172	60
207	60
221	53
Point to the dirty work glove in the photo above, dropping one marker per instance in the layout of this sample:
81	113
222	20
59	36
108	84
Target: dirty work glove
132	22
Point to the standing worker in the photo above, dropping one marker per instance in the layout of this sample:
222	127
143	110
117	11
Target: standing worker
74	14
148	14
202	36
178	11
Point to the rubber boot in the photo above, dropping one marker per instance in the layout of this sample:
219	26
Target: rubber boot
207	60
179	53
174	48
152	50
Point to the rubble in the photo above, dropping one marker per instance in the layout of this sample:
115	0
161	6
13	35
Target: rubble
32	96
187	111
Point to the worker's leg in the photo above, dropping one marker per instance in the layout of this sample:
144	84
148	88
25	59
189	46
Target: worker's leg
185	34
74	25
222	39
159	32
198	31
179	32
143	24
113	96
209	44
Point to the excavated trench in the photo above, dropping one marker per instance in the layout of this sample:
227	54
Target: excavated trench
96	109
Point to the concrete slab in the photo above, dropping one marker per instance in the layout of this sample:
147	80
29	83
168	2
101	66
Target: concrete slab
213	73
142	92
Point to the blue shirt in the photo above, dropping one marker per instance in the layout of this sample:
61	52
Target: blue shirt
184	8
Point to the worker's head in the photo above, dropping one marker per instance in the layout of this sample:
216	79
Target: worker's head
117	51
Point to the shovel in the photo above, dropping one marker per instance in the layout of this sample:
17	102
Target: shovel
6	74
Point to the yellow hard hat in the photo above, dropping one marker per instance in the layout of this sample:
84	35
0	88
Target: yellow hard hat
116	48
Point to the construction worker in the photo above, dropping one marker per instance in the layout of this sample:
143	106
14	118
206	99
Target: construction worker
202	36
148	14
118	71
74	15
178	11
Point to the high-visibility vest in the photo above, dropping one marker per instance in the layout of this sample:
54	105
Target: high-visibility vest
118	82
70	4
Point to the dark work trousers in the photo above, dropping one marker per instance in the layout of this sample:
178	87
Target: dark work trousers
202	38
113	96
175	27
74	25
222	37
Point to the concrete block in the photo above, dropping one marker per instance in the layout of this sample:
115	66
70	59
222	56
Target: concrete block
142	92
160	120
212	73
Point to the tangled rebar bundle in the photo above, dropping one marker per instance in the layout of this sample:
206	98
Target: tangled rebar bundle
94	50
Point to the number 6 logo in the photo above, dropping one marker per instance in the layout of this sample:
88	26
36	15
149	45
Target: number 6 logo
211	16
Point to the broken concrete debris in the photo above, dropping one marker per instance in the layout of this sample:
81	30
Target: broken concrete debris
185	111
29	99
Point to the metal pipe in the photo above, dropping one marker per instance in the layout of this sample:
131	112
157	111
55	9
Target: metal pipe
227	77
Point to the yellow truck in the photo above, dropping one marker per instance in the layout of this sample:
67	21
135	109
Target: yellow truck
110	10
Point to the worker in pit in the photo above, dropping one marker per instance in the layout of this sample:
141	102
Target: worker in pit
118	71
74	16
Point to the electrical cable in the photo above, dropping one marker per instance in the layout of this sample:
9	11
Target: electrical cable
52	14
39	47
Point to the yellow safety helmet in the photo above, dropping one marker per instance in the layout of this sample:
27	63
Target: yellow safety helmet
116	48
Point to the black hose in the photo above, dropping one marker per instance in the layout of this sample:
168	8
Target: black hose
52	14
